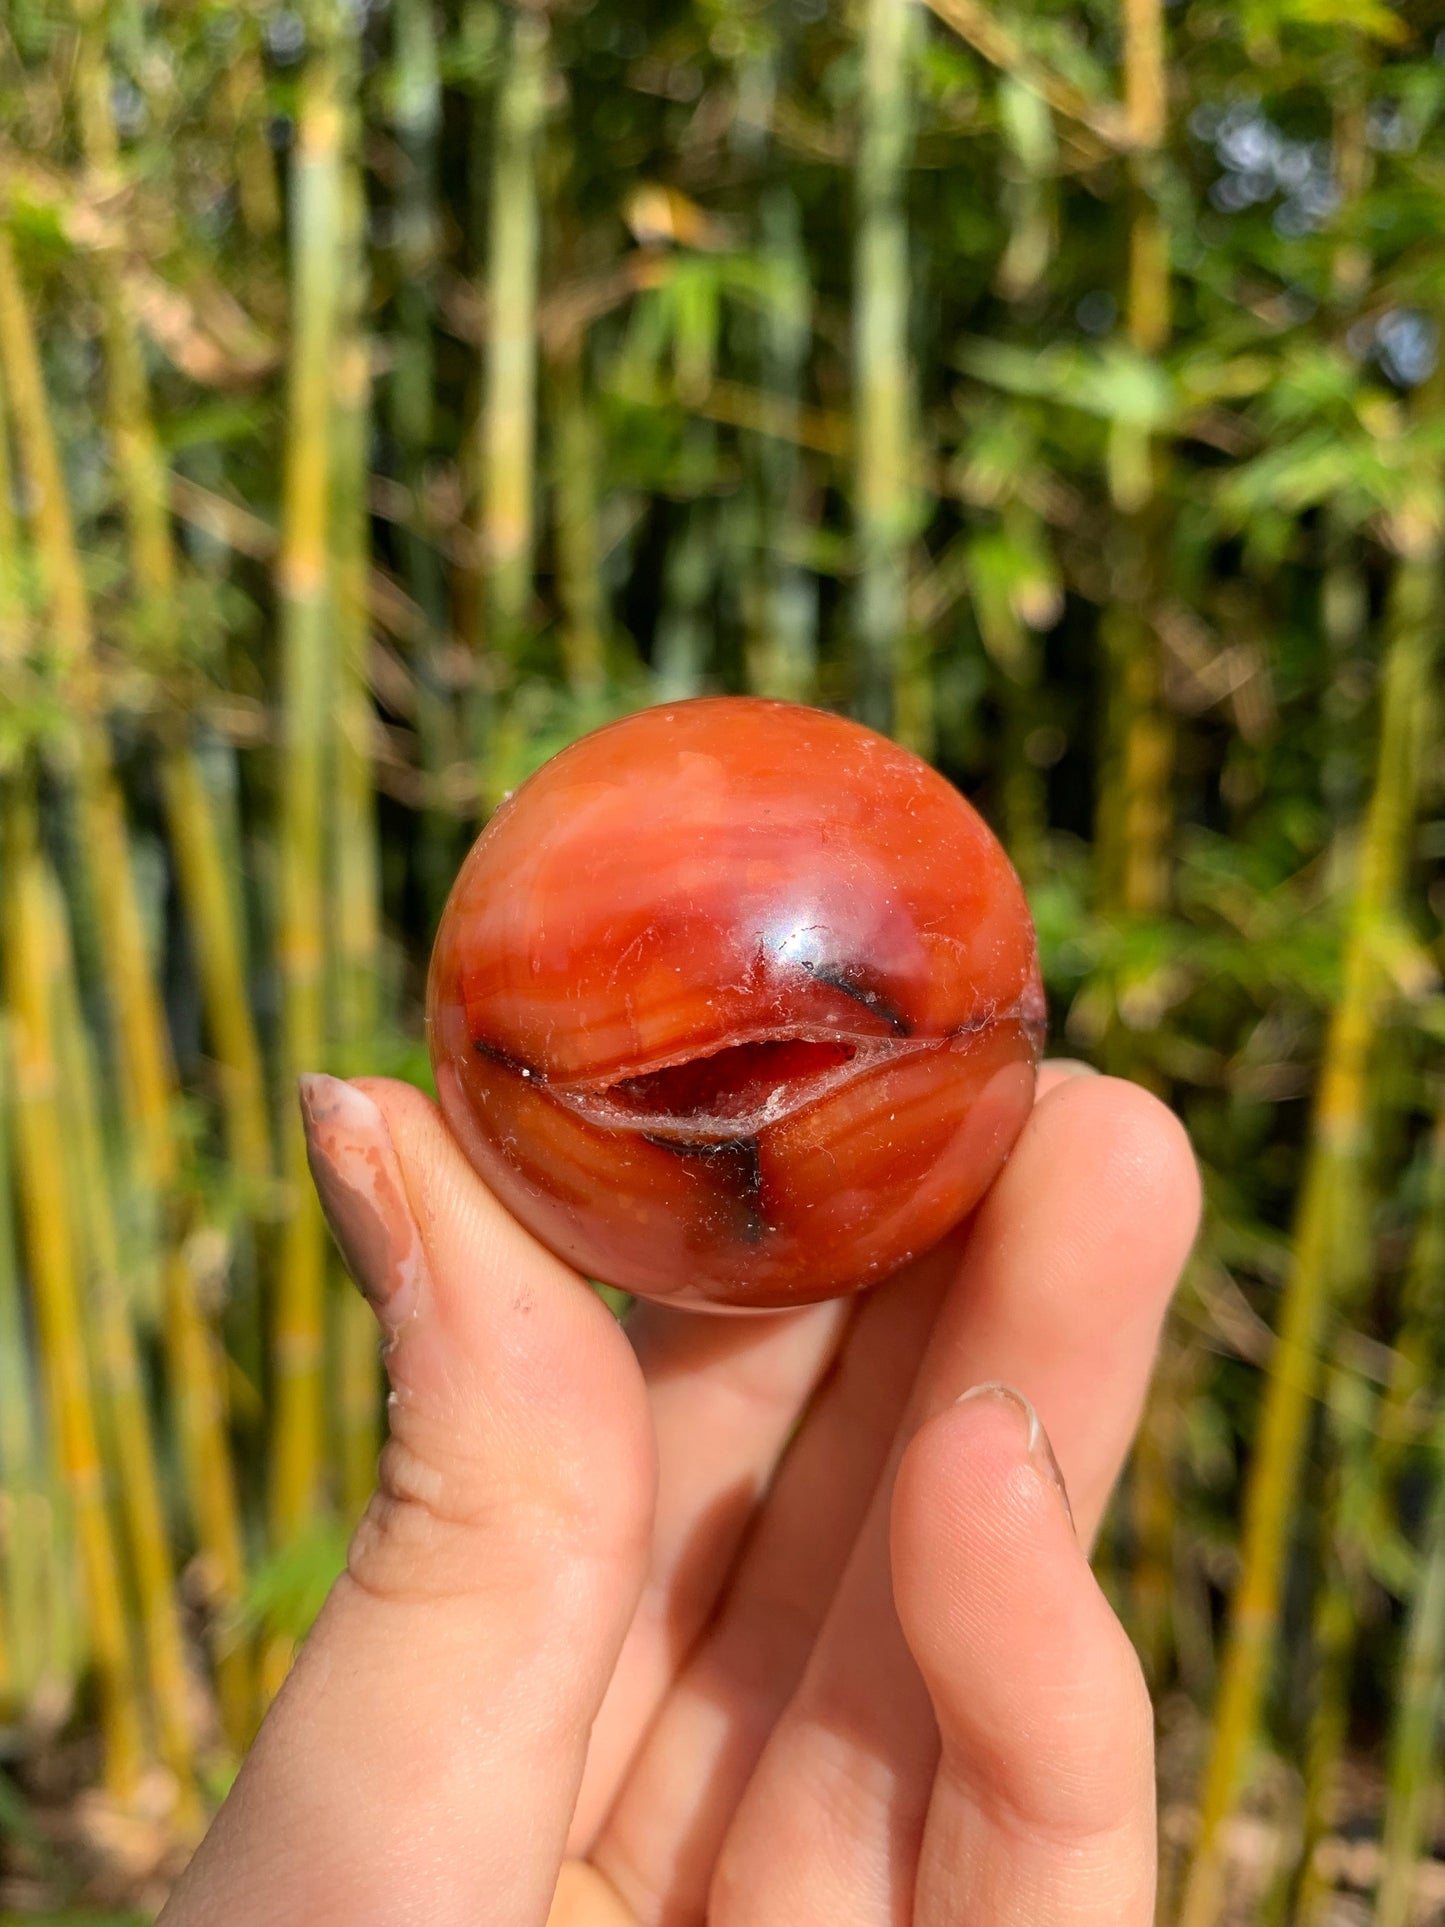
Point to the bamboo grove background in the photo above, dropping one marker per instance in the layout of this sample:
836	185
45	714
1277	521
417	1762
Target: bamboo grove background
388	392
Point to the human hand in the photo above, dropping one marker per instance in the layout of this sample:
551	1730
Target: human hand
746	1622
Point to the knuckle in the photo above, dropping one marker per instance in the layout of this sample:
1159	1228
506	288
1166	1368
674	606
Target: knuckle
440	1525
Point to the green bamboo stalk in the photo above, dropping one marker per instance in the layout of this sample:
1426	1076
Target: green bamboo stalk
1369	1444
779	600
1416	1350
892	677
1412	1773
1335	1148
783	656
574	479
1029	196
417	119
1344	591
1028	199
116	1365
305	595
1334	1620
356	882
55	1288
1415	1733
509	406
684	632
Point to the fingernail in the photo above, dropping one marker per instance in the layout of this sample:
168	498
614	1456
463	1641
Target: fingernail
358	1180
1073	1067
1041	1452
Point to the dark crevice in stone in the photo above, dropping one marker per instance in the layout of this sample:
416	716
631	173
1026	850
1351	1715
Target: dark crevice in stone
737	1162
849	983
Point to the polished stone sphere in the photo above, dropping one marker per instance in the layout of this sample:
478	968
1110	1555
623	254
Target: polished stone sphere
736	1003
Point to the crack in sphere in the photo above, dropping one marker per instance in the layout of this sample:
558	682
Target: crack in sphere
736	1004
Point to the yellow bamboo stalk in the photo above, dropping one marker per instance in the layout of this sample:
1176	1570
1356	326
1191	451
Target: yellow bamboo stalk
140	1021
1336	1141
23	1536
1136	818
1350	1418
1138	814
220	949
305	595
144	492
12	598
55	1287
245	100
356	877
196	1372
149	1080
19	1645
116	1363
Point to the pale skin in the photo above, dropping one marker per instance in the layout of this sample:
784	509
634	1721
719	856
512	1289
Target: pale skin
714	1622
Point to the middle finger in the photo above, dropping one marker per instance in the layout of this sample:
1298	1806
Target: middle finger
1061	1292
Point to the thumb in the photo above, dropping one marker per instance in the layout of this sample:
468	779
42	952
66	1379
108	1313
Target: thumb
421	1762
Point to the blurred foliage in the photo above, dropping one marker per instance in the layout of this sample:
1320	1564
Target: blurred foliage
433	381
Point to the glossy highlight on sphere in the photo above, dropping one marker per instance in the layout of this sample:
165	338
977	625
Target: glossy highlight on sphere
736	1003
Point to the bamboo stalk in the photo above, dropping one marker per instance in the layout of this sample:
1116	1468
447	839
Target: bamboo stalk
1335	1146
1419	1701
54	1276
1135	826
574	495
12	593
195	1369
198	849
244	85
20	1475
1027	125
116	1364
145	1052
1349	1463
145	1045
1135	823
305	594
1416	1350
1334	1629
783	658
1414	1737
145	499
680	650
356	881
509	406
892	692
417	116
22	1497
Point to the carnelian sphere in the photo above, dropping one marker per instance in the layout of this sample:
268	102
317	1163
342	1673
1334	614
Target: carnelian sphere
736	1003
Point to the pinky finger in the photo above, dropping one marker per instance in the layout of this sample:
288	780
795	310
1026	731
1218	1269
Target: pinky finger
1043	1805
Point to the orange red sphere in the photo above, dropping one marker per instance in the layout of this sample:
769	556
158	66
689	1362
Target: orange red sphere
736	1003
